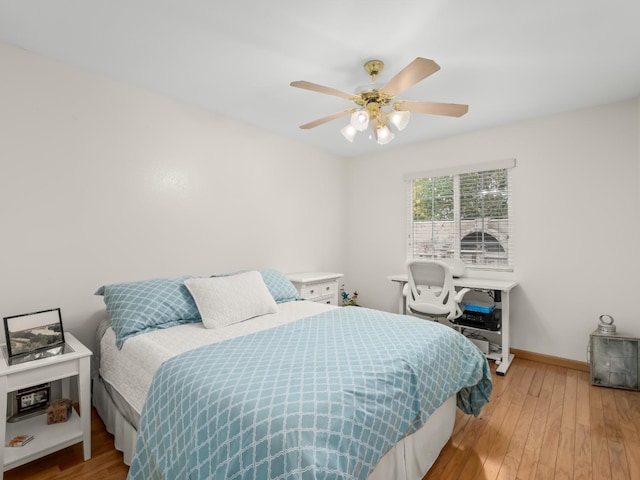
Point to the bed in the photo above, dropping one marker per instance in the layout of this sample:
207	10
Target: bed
306	390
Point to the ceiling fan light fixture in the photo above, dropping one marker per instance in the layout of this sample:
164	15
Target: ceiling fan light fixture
349	132
383	135
360	120
375	104
400	118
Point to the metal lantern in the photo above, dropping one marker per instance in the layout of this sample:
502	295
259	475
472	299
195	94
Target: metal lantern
614	358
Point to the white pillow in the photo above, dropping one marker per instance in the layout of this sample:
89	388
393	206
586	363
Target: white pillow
222	301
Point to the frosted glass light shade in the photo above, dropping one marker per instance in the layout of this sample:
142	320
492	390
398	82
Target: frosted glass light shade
383	135
400	118
360	120
349	132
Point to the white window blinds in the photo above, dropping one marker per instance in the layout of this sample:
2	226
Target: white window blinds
463	213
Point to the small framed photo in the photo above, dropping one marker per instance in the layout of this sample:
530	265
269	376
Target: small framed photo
33	398
31	333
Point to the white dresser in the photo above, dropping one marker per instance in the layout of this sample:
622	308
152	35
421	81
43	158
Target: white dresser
321	287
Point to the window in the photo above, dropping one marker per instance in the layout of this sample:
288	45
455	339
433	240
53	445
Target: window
463	213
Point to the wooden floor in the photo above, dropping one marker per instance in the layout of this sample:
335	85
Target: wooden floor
543	422
105	463
546	422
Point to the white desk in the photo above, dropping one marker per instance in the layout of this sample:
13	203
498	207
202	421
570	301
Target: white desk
504	286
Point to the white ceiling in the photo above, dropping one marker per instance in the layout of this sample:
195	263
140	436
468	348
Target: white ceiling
508	59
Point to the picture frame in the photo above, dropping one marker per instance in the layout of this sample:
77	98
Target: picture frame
34	335
33	398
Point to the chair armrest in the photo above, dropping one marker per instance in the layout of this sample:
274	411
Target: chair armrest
460	295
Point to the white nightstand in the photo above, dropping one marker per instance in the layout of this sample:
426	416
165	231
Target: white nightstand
48	438
321	287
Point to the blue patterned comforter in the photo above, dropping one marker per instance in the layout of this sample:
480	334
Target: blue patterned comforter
321	398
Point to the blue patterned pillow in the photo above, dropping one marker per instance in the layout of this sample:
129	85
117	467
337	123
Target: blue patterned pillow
279	286
138	307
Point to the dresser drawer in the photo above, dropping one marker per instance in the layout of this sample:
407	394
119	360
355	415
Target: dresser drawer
311	292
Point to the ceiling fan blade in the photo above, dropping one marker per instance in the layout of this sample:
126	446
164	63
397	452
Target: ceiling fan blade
322	89
320	121
434	108
417	70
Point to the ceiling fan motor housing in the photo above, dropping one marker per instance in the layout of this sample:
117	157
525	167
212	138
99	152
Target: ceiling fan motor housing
373	68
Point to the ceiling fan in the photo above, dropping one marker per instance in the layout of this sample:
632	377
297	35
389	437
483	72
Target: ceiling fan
375	103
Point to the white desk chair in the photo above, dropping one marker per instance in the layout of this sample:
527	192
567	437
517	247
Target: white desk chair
431	292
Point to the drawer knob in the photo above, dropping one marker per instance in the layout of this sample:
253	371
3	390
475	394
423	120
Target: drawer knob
311	291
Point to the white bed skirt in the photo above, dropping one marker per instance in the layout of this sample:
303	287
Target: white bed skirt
410	459
124	434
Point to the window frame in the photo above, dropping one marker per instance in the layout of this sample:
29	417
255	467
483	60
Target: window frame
505	239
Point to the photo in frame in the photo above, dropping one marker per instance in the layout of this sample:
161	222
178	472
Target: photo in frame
31	336
33	398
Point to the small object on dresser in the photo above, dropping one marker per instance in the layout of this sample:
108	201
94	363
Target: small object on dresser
59	411
349	299
20	440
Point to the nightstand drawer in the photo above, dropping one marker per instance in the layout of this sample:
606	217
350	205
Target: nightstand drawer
309	292
330	299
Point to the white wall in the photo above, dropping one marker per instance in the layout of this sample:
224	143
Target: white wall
638	110
576	221
101	182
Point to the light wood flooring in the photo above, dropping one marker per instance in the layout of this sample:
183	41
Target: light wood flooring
543	422
68	464
546	422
